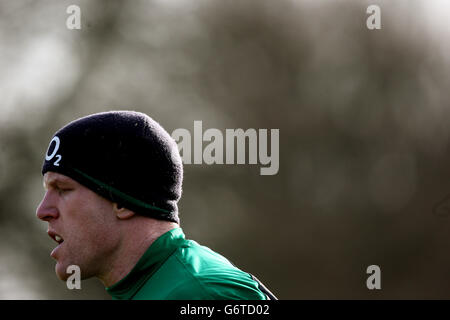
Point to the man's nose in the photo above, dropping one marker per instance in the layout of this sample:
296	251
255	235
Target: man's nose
46	209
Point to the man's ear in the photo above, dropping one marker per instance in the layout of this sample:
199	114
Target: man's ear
121	212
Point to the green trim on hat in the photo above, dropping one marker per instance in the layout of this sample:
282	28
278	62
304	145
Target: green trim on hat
120	194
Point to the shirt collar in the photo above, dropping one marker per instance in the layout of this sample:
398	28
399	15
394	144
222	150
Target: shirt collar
147	265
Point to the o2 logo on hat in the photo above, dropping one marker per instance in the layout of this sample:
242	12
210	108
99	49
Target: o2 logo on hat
55	150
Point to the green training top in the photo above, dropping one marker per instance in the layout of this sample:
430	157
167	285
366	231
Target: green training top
174	268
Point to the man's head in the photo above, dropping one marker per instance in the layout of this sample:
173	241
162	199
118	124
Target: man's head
100	171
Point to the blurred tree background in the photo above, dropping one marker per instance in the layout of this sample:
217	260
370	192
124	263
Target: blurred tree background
363	118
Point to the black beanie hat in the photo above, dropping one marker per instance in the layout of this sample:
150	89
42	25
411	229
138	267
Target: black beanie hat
124	156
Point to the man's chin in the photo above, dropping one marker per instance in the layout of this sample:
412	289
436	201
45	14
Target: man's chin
60	271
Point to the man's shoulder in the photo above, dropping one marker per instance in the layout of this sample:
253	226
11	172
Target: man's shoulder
197	272
200	259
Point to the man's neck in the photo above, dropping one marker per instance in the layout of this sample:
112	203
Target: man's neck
132	247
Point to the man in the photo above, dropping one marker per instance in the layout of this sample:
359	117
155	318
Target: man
112	183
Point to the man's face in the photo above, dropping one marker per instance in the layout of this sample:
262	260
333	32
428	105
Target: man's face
82	222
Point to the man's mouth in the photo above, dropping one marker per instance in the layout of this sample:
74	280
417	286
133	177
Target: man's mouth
58	238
